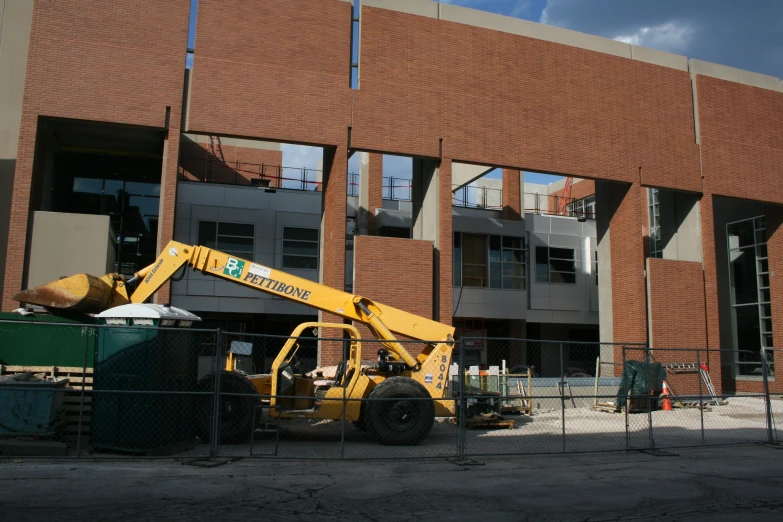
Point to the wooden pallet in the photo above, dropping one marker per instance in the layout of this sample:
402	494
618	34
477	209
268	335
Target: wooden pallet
68	425
606	407
482	424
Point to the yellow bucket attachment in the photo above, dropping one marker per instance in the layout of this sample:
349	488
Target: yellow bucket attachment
78	293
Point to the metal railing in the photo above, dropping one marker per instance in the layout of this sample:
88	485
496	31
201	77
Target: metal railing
471	196
130	391
213	170
397	189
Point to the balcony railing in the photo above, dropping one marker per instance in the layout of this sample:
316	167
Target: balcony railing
214	170
471	196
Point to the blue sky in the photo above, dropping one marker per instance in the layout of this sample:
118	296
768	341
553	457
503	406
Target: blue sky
747	34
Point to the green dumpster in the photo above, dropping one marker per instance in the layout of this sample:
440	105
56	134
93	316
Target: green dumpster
132	361
45	340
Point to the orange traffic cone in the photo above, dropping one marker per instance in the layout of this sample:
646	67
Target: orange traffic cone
666	402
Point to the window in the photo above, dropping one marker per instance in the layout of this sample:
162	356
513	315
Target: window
750	294
300	248
492	261
584	207
236	239
595	265
474	260
555	265
656	245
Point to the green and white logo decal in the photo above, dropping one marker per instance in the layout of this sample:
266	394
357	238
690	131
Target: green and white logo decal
234	267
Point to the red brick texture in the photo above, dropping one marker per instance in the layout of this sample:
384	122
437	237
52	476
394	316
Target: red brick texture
335	166
120	61
741	139
274	69
375	189
235	165
557	109
445	244
396	272
512	206
677	316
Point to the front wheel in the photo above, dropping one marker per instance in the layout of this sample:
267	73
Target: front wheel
400	412
236	411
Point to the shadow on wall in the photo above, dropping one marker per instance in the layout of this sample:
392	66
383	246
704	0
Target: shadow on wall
199	163
7	167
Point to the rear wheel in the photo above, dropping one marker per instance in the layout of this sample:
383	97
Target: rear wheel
400	412
236	412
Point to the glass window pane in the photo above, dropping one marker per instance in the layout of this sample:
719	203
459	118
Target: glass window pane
207	231
236	229
513	242
494	242
740	234
514	283
558	265
474	249
562	277
747	339
300	262
514	269
542	273
237	244
513	256
457	259
92	186
300	247
561	253
494	275
142	189
742	276
147	206
301	234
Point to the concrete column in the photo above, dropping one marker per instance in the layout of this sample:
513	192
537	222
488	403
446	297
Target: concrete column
425	199
16	21
331	266
513	187
370	191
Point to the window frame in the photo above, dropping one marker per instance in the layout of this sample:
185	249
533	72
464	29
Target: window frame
490	264
284	255
548	265
654	222
242	254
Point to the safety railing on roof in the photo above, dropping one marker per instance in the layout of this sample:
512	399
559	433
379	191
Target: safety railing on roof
214	170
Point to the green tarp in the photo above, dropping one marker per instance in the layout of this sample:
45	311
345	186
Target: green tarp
641	379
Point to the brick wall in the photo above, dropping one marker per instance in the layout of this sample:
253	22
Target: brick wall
580	189
741	138
512	206
445	243
120	61
558	109
375	189
677	313
235	165
276	70
395	272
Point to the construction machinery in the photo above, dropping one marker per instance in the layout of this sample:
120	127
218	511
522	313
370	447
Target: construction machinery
395	399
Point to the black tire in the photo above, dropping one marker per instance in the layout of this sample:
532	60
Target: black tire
236	412
402	422
361	424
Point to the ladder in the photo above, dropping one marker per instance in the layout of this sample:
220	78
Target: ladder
562	205
703	372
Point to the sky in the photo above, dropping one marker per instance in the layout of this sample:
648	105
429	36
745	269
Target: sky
747	34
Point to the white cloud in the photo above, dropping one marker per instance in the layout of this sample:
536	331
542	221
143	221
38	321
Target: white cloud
300	156
670	36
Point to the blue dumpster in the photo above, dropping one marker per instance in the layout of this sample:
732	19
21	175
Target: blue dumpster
29	407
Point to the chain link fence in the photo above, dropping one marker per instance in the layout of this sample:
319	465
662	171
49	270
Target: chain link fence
112	392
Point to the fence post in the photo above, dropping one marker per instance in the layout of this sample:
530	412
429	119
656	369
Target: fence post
627	407
767	399
701	394
86	331
648	361
462	431
216	397
562	396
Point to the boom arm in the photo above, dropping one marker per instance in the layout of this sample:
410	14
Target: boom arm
384	321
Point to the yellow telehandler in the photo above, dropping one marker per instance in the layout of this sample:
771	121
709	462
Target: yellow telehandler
396	400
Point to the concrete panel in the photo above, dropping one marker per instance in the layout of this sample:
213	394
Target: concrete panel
237	215
574	242
200	287
559	303
200	304
67	244
539	303
415	7
229	289
393	218
236	305
254	198
604	201
203	213
566	226
589	228
463	173
198	194
688	227
488	226
662	58
723	72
